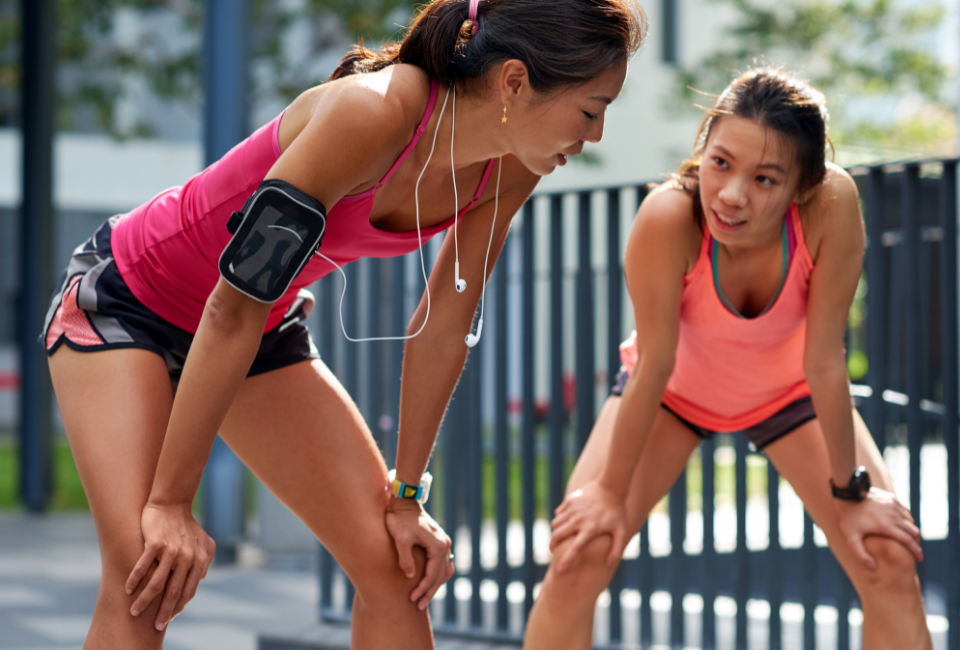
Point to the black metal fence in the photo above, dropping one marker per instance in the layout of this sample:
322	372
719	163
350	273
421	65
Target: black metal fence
705	571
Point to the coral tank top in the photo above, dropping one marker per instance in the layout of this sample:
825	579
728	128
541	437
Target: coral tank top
730	372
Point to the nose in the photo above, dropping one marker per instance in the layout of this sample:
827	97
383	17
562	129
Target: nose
733	193
595	132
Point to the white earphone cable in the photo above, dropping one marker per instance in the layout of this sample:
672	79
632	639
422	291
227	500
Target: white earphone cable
496	205
423	266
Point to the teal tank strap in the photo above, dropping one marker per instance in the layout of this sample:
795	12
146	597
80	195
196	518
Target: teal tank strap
783	276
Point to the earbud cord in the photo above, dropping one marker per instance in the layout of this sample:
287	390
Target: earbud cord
496	204
456	200
423	266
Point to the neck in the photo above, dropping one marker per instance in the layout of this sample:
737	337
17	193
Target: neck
474	141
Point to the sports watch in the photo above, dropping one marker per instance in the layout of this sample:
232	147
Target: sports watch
856	490
419	493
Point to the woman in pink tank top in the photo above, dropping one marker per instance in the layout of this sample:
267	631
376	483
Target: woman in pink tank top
742	269
168	296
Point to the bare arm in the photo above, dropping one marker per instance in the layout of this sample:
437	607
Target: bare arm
832	285
657	257
654	266
433	361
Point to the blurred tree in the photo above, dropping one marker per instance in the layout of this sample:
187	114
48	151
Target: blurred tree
105	46
849	49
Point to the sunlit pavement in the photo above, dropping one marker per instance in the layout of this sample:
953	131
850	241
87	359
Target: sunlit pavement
50	572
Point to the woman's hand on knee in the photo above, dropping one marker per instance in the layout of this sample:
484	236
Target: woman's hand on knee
182	552
878	514
585	514
410	526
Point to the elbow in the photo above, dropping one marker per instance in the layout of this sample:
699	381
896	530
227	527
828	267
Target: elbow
231	313
656	367
821	371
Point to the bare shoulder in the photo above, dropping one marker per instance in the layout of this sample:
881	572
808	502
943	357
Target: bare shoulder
377	108
832	212
665	223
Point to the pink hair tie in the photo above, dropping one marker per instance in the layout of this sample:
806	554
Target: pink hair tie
474	4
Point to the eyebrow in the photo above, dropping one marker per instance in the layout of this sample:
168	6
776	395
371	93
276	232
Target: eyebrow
773	166
602	98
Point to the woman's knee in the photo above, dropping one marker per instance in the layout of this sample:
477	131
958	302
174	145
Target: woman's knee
587	575
895	572
374	570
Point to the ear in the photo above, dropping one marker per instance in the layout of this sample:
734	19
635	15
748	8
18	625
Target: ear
514	80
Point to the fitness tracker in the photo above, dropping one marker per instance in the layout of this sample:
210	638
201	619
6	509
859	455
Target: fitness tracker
856	490
419	493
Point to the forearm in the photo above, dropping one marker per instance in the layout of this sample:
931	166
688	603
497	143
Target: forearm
638	410
830	391
219	359
431	367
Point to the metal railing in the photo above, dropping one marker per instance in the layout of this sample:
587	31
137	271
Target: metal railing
528	398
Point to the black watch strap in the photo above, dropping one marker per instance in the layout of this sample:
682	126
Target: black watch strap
856	489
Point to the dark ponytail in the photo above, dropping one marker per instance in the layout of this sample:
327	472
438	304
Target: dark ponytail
561	42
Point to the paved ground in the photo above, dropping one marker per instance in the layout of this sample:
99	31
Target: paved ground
50	571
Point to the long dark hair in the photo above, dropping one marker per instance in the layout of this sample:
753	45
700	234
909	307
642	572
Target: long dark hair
778	101
561	42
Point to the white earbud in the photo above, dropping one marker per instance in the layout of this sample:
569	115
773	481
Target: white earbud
460	284
473	339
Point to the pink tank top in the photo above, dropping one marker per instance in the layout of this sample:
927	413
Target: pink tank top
167	249
730	372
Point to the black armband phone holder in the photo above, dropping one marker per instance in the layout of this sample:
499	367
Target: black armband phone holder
274	236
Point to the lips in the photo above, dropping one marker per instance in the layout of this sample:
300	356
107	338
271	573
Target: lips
726	223
561	159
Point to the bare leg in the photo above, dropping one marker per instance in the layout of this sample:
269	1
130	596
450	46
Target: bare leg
298	430
893	615
562	617
115	407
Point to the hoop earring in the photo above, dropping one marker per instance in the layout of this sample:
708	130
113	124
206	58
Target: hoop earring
504	118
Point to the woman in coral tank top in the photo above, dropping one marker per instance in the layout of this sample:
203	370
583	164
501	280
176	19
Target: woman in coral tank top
199	290
742	269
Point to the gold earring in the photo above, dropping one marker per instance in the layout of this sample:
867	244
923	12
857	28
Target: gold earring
504	118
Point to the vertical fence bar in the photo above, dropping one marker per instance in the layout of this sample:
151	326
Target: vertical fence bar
373	375
502	436
910	220
646	587
874	412
474	492
36	249
741	579
775	559
529	423
614	297
350	366
586	371
808	589
678	559
398	324
949	333
556	352
708	579
326	304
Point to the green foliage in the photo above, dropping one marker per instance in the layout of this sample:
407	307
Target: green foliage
846	48
96	67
